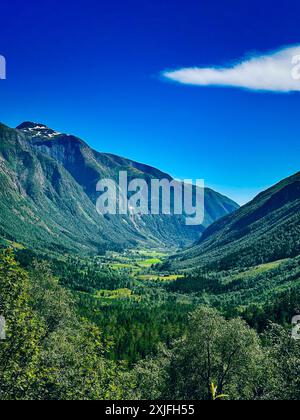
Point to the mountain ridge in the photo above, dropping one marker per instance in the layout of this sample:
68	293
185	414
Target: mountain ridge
265	230
53	177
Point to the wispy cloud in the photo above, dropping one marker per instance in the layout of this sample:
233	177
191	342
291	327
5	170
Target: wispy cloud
277	71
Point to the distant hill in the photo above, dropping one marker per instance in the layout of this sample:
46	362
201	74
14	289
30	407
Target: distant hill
265	230
48	196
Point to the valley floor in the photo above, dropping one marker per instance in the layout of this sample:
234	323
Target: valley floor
141	309
151	304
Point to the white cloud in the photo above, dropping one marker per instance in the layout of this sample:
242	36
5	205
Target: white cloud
276	72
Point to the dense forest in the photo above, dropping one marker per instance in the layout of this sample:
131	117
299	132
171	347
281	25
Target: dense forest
79	329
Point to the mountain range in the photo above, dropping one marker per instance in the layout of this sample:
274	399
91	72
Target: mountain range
48	197
265	230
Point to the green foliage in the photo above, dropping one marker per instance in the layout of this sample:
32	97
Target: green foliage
49	353
222	359
149	377
20	352
226	353
89	276
70	339
259	294
137	325
283	364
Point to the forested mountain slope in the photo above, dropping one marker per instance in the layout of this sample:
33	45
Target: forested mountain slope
265	230
48	196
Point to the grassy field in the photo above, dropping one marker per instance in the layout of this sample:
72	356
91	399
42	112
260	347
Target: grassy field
112	297
259	269
121	266
149	262
137	264
134	261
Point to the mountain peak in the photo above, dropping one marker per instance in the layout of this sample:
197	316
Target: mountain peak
37	129
31	125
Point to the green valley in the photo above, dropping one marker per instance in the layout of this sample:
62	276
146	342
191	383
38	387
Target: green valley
138	308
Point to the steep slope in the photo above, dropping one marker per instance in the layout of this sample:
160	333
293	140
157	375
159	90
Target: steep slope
265	230
48	195
41	205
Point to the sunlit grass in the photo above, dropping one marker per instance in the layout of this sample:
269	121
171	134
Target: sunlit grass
120	266
151	254
149	262
113	294
260	269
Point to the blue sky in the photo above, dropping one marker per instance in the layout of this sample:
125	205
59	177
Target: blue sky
94	68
